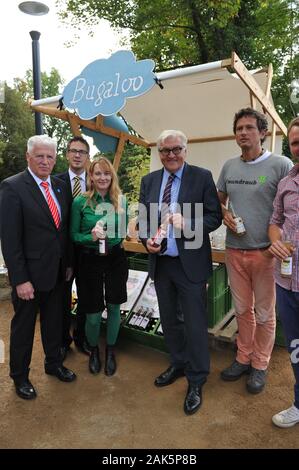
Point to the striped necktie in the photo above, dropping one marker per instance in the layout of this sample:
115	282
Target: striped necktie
52	204
76	187
166	199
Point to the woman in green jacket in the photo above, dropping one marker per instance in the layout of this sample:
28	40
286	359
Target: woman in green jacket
98	225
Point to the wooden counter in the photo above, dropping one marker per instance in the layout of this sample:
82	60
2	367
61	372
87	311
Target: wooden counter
218	256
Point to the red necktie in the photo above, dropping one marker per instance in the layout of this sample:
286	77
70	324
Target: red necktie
51	203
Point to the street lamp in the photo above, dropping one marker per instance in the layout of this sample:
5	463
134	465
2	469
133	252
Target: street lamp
35	9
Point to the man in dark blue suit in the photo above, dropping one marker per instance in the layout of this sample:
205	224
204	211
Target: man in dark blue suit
35	246
181	265
76	180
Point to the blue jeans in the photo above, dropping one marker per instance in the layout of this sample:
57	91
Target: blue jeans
288	308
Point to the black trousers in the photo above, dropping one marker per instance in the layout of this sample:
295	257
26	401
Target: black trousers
79	330
49	304
183	312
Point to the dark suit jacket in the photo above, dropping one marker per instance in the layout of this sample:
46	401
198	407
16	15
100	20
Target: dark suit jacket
66	178
197	186
33	248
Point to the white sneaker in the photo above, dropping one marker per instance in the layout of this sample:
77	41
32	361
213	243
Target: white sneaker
286	418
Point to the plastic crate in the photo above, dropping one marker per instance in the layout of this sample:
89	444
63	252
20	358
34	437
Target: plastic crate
138	262
147	338
216	309
217	282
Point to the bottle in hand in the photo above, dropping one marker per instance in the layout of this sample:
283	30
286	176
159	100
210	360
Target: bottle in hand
240	227
159	236
103	240
286	267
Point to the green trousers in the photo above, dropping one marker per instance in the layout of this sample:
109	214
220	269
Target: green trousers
93	325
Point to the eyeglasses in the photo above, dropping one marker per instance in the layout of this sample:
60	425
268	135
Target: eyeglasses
80	152
174	150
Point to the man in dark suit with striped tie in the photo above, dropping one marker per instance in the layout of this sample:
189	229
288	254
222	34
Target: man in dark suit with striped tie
76	181
34	237
188	206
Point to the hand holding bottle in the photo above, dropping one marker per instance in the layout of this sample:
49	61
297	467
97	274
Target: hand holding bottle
281	249
98	231
228	220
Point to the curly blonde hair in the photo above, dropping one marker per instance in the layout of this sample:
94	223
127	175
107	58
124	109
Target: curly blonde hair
114	190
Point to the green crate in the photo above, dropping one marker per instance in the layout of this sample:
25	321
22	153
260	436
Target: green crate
216	309
279	336
139	262
147	338
217	282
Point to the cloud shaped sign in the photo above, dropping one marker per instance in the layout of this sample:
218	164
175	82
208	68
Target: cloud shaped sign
105	84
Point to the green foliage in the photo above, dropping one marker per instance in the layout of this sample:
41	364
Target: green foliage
57	128
134	164
16	125
186	32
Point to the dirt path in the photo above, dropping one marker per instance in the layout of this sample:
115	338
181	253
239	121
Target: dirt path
127	411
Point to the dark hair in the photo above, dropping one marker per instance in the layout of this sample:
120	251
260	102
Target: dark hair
261	120
294	123
78	138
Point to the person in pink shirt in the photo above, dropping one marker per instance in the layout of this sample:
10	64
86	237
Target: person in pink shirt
284	226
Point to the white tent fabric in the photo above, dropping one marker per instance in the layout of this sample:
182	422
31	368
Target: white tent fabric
202	105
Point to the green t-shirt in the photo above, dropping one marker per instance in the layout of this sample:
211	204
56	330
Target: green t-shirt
84	218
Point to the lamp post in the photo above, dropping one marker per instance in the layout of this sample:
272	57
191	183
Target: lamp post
35	9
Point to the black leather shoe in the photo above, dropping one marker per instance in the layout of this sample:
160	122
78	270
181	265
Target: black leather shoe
110	363
62	373
169	376
83	347
193	399
94	360
25	390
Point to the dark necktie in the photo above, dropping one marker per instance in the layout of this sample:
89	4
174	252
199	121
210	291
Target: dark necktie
52	204
77	187
166	199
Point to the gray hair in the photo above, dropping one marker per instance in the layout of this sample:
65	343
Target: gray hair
41	140
172	133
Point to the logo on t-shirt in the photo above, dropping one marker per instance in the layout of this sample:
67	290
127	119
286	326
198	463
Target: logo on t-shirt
262	179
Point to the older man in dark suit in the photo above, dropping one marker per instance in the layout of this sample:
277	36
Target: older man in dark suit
187	200
76	180
34	236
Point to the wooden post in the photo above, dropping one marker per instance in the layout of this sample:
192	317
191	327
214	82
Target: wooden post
254	87
119	151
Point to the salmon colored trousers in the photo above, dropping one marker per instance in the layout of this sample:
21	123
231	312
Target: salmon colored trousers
251	276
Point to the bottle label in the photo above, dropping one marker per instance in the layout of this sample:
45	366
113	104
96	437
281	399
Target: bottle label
286	267
157	239
102	246
239	225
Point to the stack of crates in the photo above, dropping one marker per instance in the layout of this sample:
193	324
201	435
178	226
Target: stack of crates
219	295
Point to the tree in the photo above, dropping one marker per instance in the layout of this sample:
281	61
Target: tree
187	32
57	128
16	126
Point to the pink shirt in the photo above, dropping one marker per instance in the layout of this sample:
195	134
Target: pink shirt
286	216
